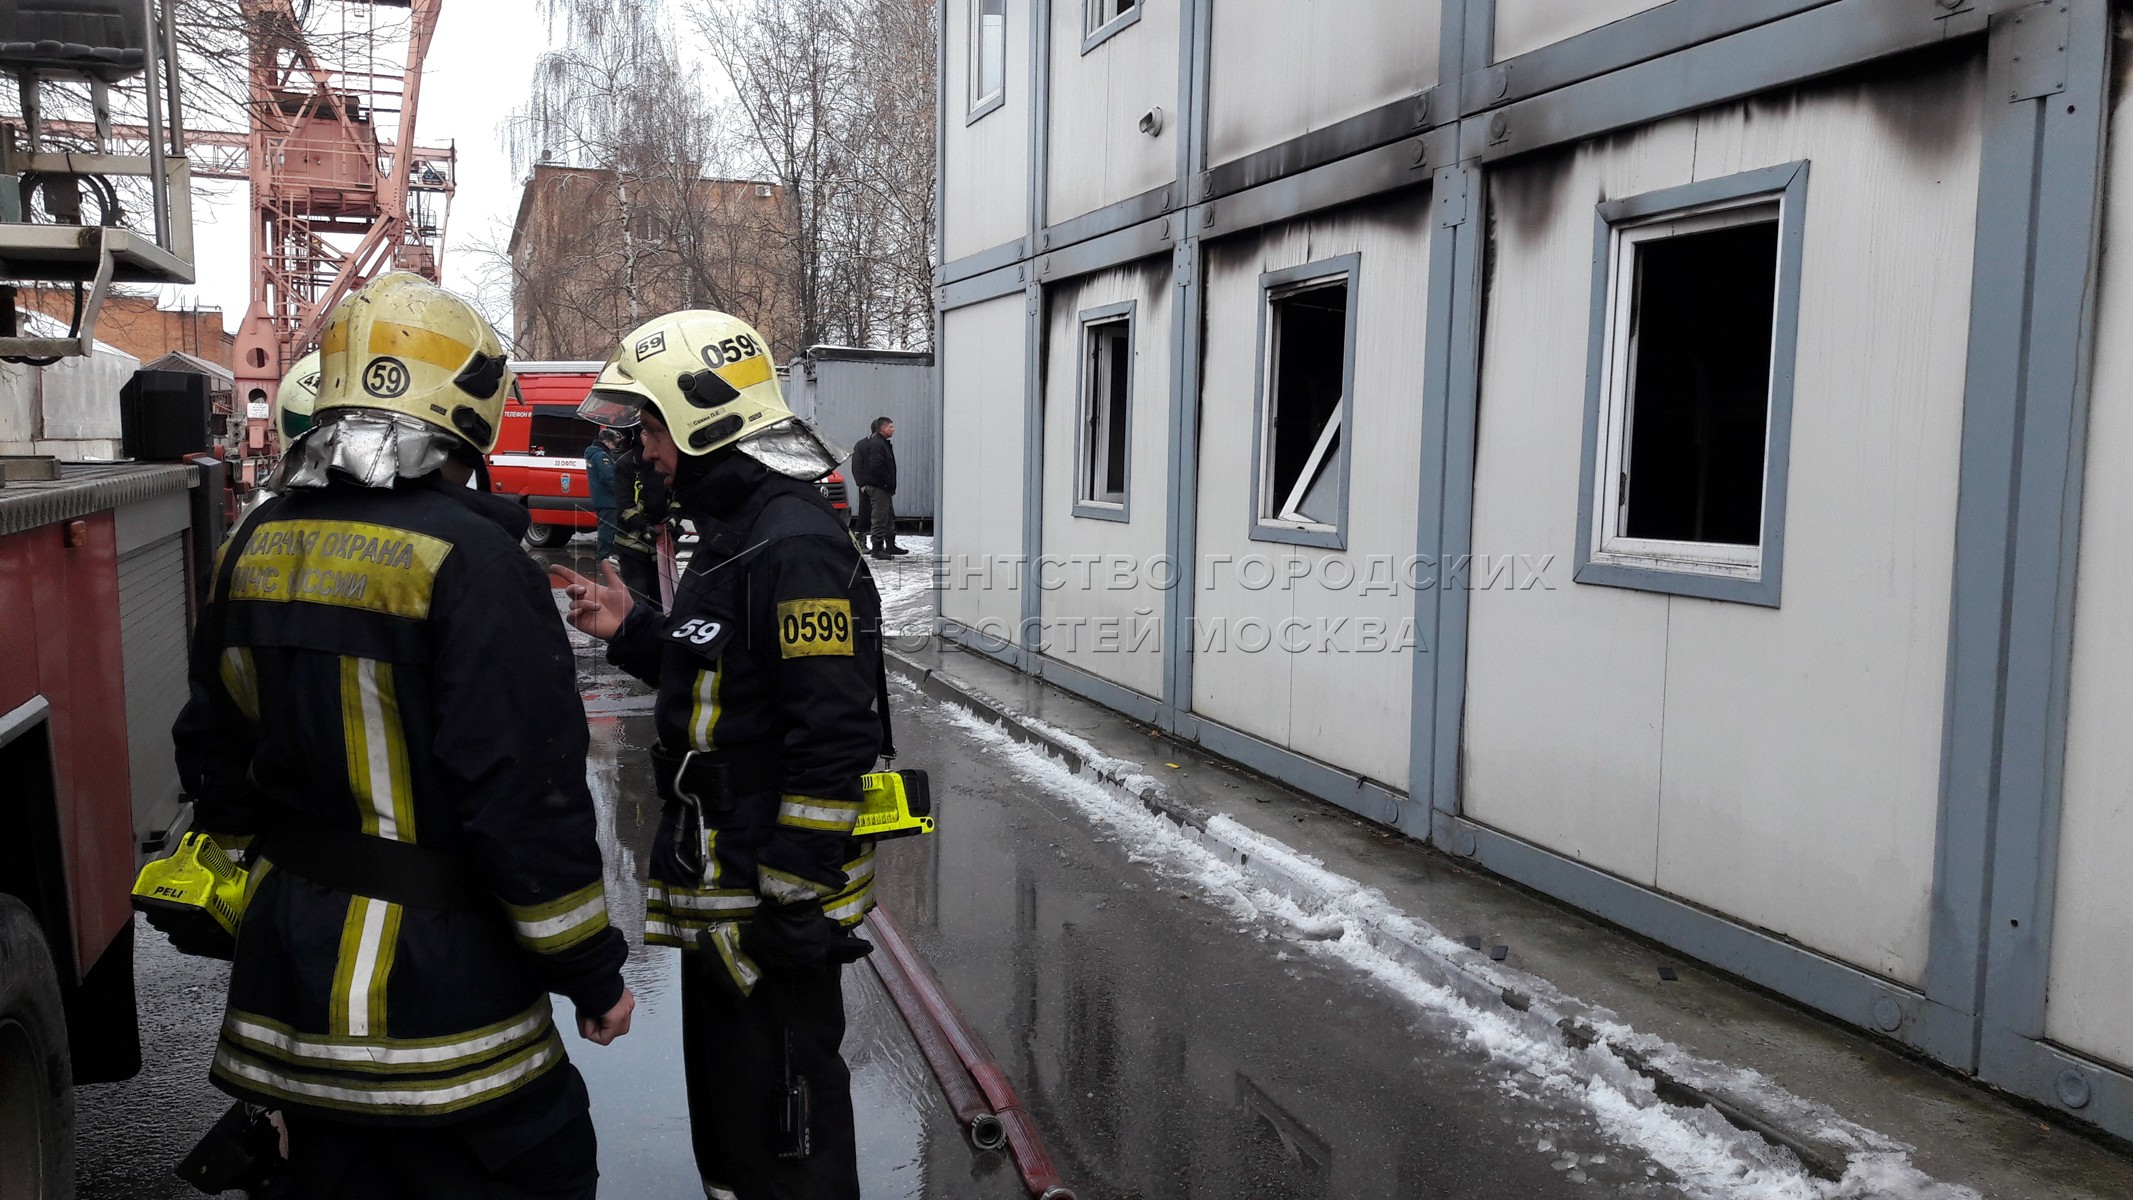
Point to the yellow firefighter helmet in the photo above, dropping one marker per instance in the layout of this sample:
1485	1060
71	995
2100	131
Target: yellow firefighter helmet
296	397
712	379
402	344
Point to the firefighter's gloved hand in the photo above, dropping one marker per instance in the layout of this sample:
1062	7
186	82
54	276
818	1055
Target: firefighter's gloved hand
729	967
800	937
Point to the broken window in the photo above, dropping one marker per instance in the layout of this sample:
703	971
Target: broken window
1106	425
1302	477
1692	315
988	53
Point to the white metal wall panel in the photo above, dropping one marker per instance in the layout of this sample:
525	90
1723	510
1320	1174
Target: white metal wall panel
1095	628
152	628
1785	770
1281	68
1523	25
982	422
1348	706
985	164
2092	925
1099	156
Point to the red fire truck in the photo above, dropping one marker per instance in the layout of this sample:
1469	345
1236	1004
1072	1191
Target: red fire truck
100	567
540	453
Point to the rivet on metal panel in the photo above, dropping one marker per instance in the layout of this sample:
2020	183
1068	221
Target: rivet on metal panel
1207	217
1044	240
1422	109
1888	1015
2073	1088
1207	184
1500	83
1467	846
1499	128
1421	153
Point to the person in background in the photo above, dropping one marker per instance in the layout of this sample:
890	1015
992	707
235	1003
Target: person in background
641	497
600	481
874	470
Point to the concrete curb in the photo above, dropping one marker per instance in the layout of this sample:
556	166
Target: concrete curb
1540	1011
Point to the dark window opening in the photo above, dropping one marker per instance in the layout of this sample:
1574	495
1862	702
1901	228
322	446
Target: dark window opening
1105	410
1699	370
558	432
1310	359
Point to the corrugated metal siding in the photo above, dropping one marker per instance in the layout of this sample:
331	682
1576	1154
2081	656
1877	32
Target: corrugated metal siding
152	624
1699	739
846	395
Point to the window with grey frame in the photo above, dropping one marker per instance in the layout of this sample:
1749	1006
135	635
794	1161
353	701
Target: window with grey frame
988	55
1106	413
1307	370
1694	321
1102	18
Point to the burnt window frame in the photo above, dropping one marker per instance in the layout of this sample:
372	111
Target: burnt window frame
1605	557
1126	313
1273	287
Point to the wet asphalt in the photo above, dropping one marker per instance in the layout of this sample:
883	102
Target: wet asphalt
1165	1047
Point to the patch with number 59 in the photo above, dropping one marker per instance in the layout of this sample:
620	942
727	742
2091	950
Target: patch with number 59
811	627
704	635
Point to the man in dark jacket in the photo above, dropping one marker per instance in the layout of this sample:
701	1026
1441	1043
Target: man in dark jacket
769	673
384	710
874	470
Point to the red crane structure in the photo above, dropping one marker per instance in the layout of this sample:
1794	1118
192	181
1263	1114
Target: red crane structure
340	190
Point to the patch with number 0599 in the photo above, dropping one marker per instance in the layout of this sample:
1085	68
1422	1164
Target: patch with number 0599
811	627
705	635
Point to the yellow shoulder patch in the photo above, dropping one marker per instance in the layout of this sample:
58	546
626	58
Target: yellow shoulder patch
348	564
811	627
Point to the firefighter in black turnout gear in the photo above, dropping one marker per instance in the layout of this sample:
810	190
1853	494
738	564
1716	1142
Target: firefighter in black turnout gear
385	714
771	707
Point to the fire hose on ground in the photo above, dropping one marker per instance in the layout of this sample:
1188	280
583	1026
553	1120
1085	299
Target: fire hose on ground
942	1032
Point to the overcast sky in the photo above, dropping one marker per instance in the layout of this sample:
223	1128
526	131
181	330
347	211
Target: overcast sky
479	66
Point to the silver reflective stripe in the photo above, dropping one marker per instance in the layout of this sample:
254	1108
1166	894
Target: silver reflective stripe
783	888
595	907
683	900
714	1192
295	1046
387	1096
852	908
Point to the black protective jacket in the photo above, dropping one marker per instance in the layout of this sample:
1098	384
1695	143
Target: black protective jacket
874	463
769	668
388	663
641	501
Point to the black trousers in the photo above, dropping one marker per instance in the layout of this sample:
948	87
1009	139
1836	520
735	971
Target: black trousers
640	573
734	1054
881	516
540	1146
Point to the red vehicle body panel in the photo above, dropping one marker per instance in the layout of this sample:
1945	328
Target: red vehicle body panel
70	596
540	452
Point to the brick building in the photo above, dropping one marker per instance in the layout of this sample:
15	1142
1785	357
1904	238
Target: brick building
139	325
585	241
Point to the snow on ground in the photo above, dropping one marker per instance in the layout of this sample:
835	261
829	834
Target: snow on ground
1710	1157
906	586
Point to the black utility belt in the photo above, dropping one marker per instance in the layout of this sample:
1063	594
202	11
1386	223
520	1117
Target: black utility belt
396	872
712	781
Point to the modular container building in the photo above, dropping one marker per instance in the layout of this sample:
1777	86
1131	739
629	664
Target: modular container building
843	388
1672	455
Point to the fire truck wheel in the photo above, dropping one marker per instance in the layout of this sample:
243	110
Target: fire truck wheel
36	1082
547	536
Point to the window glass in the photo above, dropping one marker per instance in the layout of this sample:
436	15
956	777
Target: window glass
558	432
1103	12
988	52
